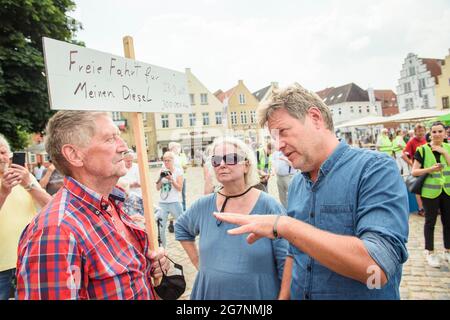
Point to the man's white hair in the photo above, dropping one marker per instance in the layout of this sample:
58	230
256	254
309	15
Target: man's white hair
251	177
172	145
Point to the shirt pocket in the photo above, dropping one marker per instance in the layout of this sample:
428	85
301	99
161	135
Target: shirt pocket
337	218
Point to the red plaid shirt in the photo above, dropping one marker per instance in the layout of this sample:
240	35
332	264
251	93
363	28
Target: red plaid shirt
72	250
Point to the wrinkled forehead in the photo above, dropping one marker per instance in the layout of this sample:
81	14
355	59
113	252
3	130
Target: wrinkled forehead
225	148
104	125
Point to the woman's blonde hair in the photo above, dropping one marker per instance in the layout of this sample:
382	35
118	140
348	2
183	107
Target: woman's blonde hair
4	142
251	177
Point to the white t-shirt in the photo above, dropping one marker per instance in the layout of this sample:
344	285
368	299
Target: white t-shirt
38	172
168	193
131	177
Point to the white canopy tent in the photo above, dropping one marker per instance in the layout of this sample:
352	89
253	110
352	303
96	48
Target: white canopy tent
366	121
404	117
417	115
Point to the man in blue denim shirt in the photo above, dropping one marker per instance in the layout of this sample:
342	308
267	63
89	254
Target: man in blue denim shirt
348	209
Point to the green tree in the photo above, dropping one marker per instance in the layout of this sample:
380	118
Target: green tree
24	105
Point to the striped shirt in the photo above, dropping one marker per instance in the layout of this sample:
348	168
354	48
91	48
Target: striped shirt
73	250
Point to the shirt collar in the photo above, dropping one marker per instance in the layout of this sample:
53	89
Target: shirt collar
90	197
331	161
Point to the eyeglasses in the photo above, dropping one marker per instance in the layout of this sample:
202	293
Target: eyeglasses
229	159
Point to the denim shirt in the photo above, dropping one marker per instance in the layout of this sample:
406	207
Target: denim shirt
358	193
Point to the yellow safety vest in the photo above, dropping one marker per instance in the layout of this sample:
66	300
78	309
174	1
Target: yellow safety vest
435	182
386	145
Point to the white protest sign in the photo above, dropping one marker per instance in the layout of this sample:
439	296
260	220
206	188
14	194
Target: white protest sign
84	79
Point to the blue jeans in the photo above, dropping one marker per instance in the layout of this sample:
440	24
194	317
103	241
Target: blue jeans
172	207
183	194
6	283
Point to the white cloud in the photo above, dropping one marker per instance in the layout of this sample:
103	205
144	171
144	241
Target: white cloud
328	43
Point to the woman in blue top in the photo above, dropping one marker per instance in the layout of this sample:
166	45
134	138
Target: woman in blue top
228	267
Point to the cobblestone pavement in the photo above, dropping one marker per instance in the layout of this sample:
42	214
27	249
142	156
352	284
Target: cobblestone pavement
419	281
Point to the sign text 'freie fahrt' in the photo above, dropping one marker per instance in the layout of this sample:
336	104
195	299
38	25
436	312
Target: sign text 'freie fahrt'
84	79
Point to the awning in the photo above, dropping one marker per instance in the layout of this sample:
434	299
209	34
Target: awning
416	115
366	121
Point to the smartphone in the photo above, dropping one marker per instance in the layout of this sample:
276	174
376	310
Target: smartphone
19	158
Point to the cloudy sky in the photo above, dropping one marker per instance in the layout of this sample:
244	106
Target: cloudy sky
318	43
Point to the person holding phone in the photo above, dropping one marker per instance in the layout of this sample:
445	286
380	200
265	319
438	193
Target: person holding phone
20	196
432	159
170	185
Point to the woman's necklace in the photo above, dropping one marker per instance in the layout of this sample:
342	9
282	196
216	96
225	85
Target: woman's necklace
229	197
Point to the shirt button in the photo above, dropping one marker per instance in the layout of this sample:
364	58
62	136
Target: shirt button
97	212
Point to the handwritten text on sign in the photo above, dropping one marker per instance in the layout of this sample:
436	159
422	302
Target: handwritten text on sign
86	79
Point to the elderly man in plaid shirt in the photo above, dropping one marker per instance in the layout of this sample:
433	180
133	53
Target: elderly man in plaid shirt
82	245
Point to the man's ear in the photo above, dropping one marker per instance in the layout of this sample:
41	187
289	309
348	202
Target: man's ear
316	117
73	155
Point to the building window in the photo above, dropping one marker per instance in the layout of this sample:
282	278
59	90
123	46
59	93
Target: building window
426	103
233	117
368	109
412	71
243	117
165	120
340	112
146	140
241	98
192	98
360	109
205	116
421	84
407	87
179	120
445	104
351	109
253	116
116	116
409	104
218	117
203	98
192	119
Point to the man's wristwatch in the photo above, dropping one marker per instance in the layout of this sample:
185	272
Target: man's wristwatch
30	186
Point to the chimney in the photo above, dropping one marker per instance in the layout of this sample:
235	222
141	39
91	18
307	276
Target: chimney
241	82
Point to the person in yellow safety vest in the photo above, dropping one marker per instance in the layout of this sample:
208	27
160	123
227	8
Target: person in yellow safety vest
433	159
264	161
397	147
384	144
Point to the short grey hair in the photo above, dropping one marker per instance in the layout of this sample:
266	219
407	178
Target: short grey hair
69	127
297	101
251	177
4	142
169	154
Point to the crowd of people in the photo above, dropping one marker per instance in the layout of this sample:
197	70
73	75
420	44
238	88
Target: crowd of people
76	230
425	153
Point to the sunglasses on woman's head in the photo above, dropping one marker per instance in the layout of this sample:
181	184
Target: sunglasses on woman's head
229	159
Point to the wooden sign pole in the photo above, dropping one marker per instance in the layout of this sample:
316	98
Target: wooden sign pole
138	129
